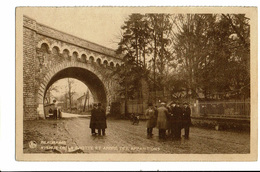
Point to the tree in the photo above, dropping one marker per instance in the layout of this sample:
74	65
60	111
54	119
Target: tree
49	94
70	92
129	76
161	28
189	54
207	47
133	45
135	38
239	45
190	47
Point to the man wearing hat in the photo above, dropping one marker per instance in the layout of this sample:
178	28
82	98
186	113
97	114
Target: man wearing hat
178	121
93	119
186	120
101	120
173	119
151	114
162	120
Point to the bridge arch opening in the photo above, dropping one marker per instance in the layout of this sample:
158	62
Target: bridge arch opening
91	80
72	96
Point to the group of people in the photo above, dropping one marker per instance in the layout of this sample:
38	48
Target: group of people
98	120
172	118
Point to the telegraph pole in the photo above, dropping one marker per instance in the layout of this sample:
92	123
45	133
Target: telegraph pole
86	97
84	103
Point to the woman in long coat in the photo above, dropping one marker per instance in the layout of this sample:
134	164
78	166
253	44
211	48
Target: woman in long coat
162	120
151	115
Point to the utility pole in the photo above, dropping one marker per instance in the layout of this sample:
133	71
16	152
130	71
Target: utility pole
84	107
86	97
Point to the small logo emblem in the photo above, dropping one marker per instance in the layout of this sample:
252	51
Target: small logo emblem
32	144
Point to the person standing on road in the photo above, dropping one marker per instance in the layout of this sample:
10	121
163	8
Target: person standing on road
101	123
168	107
172	121
93	119
186	120
151	114
178	121
162	120
55	109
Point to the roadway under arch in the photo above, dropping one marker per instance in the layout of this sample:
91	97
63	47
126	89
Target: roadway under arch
87	76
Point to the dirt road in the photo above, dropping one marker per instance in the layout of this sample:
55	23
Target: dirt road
72	135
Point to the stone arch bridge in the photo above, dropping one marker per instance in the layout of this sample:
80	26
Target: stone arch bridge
50	55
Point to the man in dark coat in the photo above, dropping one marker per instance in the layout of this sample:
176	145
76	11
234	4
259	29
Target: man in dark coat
101	123
172	122
186	120
178	121
93	119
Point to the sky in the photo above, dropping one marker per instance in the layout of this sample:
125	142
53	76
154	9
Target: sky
79	87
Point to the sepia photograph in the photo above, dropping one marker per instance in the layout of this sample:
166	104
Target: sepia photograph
136	84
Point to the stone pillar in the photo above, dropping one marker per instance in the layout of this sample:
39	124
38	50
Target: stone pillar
29	55
40	111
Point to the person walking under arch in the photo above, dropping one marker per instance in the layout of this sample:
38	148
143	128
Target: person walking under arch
151	115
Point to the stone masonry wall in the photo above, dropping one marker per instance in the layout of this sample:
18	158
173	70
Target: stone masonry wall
46	50
67	38
29	53
43	51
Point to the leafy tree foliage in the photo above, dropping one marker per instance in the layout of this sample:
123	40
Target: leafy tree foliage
206	47
188	55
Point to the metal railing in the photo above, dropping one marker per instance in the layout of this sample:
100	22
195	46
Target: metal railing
233	109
